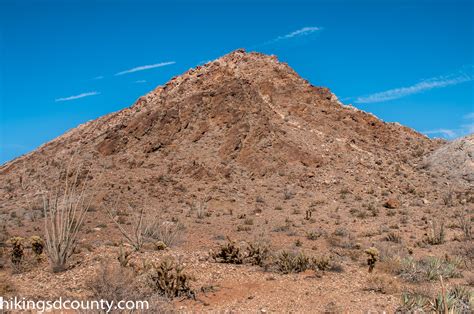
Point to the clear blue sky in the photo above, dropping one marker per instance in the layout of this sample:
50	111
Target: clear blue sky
405	61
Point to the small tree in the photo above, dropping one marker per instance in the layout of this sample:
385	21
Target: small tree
64	210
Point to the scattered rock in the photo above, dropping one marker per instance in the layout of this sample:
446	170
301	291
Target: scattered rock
392	203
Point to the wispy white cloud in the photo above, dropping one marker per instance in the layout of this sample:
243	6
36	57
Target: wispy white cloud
77	96
146	67
140	81
98	77
302	32
443	132
428	84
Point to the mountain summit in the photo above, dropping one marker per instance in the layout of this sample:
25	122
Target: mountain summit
242	117
244	148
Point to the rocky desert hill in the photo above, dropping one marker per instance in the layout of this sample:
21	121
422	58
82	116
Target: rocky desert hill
454	160
244	147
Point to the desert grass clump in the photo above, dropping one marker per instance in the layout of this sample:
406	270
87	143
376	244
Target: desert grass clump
64	210
169	280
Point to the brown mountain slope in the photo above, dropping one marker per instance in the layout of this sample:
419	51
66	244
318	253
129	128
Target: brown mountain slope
244	147
242	117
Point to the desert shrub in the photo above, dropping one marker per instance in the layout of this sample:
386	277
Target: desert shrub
169	280
138	228
465	224
428	269
170	233
393	237
229	253
341	238
114	283
325	263
64	210
457	299
37	246
382	283
435	234
283	228
17	253
314	234
372	257
287	262
258	254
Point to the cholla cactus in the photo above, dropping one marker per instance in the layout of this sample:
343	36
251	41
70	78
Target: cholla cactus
37	246
17	251
372	257
168	279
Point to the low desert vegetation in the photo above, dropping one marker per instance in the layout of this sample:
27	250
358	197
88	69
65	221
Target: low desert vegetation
260	254
169	279
429	269
457	299
436	233
115	283
65	208
166	278
145	227
383	283
23	254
